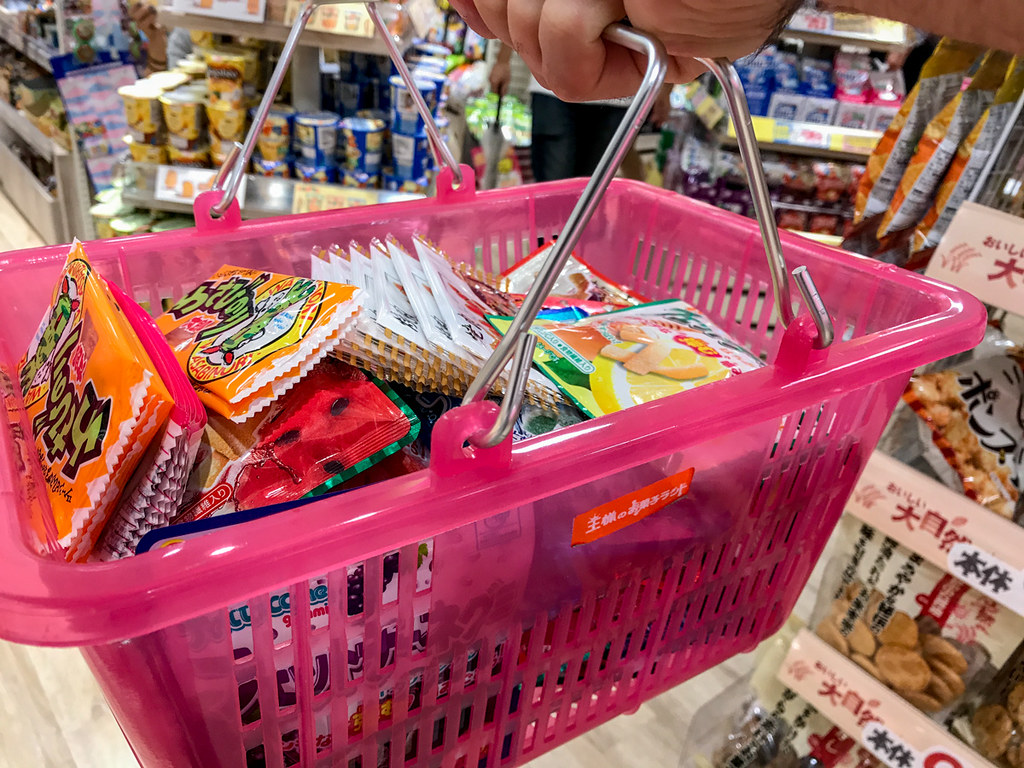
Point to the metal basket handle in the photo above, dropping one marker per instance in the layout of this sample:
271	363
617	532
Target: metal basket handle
231	173
518	341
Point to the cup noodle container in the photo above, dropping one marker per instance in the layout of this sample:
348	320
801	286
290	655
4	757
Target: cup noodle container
227	125
411	156
362	145
316	137
142	112
185	118
404	117
275	140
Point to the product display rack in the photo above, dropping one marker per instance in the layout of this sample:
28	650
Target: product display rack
32	48
823	141
845	29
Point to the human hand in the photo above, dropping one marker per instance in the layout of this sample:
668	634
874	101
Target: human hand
501	76
561	42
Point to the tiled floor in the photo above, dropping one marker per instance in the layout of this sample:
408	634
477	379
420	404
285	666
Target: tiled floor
52	714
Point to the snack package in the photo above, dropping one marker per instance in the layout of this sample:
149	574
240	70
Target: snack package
244	336
611	361
93	400
332	425
940	142
972	424
941	78
994	724
577	279
925	634
153	496
970	160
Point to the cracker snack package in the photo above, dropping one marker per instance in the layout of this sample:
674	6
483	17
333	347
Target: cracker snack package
970	160
93	400
610	361
940	142
922	632
941	78
245	337
994	724
972	424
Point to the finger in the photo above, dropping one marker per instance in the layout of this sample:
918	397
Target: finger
494	14
577	63
524	18
467	10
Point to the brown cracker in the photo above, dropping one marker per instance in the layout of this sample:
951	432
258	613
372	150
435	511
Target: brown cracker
903	668
829	632
992	729
901	630
937	648
923	701
1015	703
861	640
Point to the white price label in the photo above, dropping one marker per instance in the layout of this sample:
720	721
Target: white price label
983	253
183	185
989	575
891	750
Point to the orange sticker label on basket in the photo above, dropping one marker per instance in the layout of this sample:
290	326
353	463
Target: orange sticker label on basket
628	509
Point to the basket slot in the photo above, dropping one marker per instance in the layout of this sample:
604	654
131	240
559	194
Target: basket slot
266	679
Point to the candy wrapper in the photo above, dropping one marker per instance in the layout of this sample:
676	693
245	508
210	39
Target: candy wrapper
332	425
577	279
924	633
939	144
612	361
153	496
244	337
93	400
972	427
941	78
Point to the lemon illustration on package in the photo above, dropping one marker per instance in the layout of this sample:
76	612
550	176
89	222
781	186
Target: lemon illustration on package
245	336
93	400
610	361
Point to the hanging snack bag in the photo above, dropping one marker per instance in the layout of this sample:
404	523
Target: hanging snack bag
244	337
93	401
972	418
608	362
153	496
941	77
329	427
940	142
970	160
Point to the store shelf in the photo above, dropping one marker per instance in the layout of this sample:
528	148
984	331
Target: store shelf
824	141
848	29
40	143
883	723
42	210
32	47
943	526
272	31
263	197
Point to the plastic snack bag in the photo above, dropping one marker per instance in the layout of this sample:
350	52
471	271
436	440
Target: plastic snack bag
611	361
969	162
93	400
153	496
245	337
972	424
332	425
941	78
940	142
577	279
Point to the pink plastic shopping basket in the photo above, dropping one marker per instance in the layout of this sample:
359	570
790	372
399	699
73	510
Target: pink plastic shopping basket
317	636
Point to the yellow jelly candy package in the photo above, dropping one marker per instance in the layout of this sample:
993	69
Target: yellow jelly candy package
245	336
611	361
93	401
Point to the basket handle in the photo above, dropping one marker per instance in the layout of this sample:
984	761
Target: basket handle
515	339
229	178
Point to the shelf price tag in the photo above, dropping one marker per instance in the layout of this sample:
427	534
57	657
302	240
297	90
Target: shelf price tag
183	185
983	252
308	198
806	20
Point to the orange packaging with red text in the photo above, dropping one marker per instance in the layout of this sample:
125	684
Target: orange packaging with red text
631	508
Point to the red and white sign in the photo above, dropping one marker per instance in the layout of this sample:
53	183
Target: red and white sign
887	726
944	527
983	253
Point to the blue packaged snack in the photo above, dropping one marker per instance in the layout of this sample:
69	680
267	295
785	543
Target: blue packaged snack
756	74
816	79
325	174
438	78
362	145
404	116
411	155
786	72
358	179
280	169
316	136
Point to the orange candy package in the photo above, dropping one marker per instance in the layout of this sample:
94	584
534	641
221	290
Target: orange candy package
245	336
93	401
